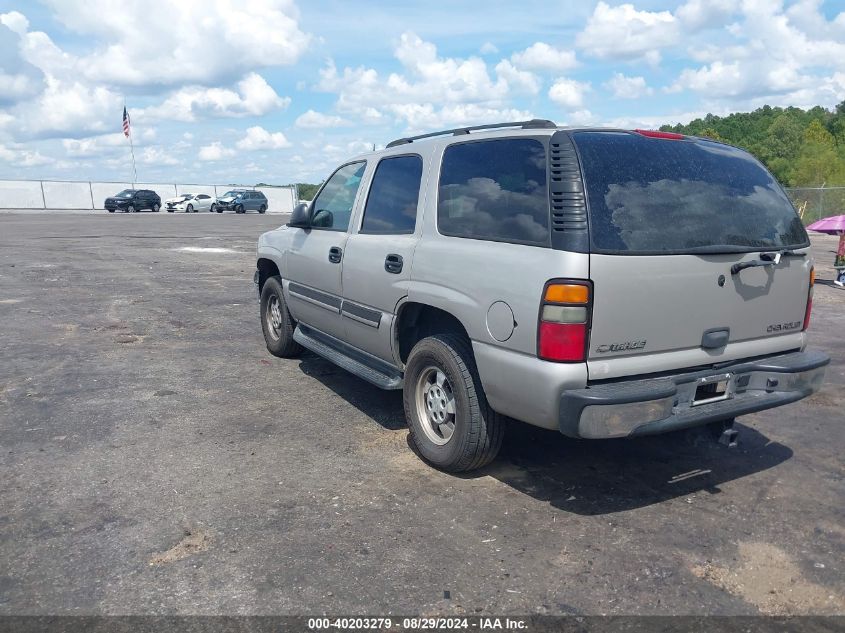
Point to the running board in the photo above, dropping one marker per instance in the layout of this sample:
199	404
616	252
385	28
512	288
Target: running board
353	360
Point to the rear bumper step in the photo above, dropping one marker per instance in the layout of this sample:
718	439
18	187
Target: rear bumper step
657	405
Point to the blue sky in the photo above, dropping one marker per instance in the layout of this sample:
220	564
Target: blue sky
281	91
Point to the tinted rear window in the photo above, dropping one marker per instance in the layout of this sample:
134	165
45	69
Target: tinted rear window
495	190
651	195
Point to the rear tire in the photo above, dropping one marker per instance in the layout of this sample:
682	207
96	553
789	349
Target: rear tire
276	321
111	210
156	208
451	424
212	208
262	209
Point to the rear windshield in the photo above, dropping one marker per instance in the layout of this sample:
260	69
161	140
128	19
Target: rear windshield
650	195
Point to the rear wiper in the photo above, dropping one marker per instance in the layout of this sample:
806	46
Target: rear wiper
771	258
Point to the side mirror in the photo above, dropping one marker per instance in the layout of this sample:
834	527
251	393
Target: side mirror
299	217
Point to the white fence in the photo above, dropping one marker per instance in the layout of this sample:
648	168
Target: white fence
55	194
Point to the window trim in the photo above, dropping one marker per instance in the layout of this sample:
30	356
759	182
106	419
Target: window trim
544	141
360	227
323	186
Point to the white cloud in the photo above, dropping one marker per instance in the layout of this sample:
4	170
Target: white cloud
95	145
568	93
182	42
541	56
312	119
258	138
254	97
627	87
700	14
761	68
18	78
427	117
24	157
15	21
435	88
215	151
68	108
623	32
158	156
488	48
518	80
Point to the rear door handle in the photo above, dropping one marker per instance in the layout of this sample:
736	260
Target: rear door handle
335	254
393	263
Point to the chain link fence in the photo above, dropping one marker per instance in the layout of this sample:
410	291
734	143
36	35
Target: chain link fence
814	203
91	195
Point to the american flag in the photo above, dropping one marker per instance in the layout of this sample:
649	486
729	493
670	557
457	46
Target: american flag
125	122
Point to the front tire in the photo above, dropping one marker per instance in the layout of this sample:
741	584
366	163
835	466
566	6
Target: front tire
276	321
451	424
111	210
130	209
239	209
189	208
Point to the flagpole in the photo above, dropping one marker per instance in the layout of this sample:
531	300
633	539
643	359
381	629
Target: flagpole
132	150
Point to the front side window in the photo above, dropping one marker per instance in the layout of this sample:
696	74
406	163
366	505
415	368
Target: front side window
332	208
495	190
392	202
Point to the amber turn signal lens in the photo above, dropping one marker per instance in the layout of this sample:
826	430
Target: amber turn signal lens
567	293
812	277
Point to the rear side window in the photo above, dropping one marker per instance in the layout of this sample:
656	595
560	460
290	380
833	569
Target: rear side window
392	202
652	196
495	190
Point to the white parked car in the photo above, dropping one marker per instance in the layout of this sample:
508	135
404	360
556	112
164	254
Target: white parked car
191	203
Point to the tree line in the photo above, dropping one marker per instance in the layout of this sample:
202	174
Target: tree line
802	148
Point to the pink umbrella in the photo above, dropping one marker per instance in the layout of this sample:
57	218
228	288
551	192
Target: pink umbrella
834	225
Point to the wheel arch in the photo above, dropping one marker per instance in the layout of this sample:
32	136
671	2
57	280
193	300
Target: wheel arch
416	320
267	267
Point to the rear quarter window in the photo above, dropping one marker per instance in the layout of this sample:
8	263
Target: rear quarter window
495	190
649	195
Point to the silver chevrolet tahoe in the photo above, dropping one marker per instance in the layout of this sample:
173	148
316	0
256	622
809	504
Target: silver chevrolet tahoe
600	282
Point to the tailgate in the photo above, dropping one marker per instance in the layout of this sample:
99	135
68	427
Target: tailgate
663	307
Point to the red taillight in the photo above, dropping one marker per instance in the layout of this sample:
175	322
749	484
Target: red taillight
564	321
562	341
658	134
809	307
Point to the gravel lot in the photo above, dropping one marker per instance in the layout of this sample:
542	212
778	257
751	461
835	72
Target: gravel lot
157	460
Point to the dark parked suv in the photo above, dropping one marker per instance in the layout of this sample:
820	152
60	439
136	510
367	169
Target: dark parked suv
132	200
241	201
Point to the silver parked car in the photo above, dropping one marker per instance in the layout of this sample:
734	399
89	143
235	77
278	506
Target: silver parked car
600	282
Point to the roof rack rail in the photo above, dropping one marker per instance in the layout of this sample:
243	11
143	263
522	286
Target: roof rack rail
533	124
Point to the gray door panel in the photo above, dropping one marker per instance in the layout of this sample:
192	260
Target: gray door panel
371	292
313	282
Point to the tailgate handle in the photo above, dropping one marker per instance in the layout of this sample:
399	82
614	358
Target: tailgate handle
715	337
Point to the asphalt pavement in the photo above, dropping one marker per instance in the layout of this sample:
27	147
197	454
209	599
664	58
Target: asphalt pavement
155	459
